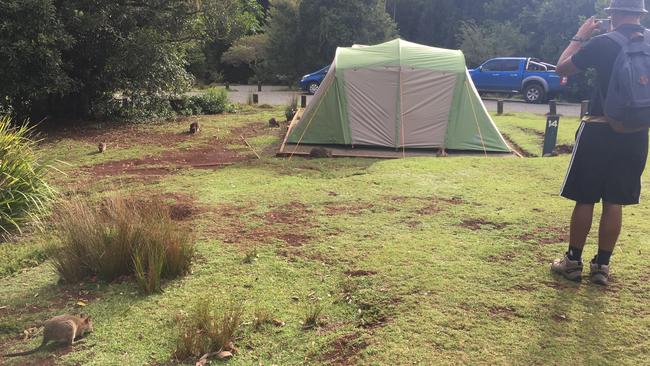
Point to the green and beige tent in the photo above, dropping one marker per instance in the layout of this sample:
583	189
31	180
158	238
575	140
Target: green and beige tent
399	95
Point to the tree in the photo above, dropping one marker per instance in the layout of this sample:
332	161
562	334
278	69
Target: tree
224	22
326	25
304	35
494	40
66	57
283	39
248	51
31	47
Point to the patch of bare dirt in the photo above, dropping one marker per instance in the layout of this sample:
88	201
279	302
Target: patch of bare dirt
211	155
288	223
517	148
360	273
547	235
481	224
343	350
563	149
504	312
120	135
502	257
431	208
532	131
560	318
170	161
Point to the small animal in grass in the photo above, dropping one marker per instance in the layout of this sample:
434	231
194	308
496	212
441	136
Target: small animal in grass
102	147
195	127
273	123
320	152
63	329
442	153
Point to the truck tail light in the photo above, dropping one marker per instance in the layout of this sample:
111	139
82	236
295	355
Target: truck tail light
564	80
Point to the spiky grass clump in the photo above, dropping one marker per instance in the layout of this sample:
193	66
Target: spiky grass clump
121	237
312	315
208	329
24	193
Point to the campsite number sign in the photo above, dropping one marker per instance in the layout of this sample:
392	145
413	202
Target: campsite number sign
550	137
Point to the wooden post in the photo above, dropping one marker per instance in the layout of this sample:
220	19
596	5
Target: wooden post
256	98
584	108
259	86
500	107
227	85
552	106
303	101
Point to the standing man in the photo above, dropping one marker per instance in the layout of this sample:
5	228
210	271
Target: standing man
607	162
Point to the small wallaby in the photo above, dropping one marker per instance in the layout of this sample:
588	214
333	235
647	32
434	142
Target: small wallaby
320	152
102	147
62	329
273	123
195	127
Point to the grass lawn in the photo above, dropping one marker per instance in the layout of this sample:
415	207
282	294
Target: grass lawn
421	261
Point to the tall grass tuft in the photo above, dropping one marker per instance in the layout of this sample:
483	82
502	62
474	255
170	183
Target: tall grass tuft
208	329
121	237
24	193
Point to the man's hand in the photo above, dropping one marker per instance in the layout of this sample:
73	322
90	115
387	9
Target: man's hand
565	66
588	29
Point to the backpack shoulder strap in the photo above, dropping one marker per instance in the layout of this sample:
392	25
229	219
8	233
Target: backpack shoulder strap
619	38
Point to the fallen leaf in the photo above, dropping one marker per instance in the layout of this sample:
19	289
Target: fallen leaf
81	303
278	322
224	355
231	347
201	362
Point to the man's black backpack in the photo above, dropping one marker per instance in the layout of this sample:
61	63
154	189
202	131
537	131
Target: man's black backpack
628	96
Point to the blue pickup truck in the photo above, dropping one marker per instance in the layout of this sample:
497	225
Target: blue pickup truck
536	80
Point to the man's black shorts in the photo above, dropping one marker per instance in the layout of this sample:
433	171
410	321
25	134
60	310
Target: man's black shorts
606	165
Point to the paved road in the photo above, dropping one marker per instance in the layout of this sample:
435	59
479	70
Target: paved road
278	95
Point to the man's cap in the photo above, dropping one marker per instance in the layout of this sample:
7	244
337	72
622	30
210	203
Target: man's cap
630	6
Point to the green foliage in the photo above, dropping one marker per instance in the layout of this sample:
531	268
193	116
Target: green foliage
224	22
248	51
291	108
282	31
67	58
208	329
304	35
31	54
25	194
120	238
493	40
213	101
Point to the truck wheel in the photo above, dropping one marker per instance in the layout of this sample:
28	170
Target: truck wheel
534	93
313	87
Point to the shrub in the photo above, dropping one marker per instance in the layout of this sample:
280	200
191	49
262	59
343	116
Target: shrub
132	107
25	195
121	237
214	101
208	330
291	108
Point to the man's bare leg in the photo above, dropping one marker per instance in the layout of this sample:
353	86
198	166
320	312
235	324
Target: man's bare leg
581	222
611	222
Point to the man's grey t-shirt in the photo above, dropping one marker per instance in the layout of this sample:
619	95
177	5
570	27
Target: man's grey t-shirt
600	53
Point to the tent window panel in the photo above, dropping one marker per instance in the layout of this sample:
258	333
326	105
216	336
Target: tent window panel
372	105
427	97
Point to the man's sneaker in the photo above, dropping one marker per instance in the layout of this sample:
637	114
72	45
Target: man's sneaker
599	274
571	270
